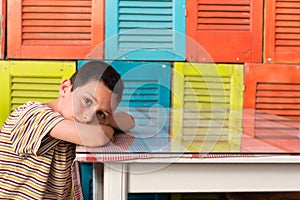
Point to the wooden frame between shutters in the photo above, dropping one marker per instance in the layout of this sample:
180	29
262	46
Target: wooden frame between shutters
17	50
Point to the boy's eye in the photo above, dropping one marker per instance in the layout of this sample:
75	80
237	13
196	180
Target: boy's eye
87	101
101	116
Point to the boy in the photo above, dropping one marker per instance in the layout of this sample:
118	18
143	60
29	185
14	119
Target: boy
37	141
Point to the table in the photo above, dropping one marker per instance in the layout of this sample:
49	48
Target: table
142	165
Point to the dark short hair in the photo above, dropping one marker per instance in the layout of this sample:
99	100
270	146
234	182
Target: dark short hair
99	71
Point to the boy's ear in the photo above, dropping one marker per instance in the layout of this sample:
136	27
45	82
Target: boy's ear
65	87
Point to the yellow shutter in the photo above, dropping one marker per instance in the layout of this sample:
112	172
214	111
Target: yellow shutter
207	101
23	81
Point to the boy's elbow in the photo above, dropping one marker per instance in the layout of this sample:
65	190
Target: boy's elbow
98	143
101	138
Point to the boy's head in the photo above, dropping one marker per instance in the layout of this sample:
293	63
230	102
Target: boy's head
98	71
92	94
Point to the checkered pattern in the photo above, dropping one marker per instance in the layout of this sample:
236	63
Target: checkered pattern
127	147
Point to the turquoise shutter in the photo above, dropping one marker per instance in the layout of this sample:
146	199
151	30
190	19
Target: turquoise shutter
145	30
147	85
146	93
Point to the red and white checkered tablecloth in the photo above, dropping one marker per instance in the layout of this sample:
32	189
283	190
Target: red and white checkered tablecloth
127	147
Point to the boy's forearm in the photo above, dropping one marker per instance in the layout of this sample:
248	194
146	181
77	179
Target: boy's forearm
82	134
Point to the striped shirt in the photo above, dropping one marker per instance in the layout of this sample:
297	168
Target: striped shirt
34	165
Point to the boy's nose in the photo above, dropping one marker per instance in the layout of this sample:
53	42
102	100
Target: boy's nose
87	118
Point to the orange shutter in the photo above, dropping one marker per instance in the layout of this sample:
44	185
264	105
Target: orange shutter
54	29
272	107
224	30
2	28
282	34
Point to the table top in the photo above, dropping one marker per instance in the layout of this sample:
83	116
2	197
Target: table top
192	133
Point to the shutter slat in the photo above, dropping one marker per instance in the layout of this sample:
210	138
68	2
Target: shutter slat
277	100
278	93
144	17
56	9
55	3
288	4
143	4
57	42
55	30
223	7
57	36
278	106
57	23
150	25
66	16
293	87
225	2
143	11
225	15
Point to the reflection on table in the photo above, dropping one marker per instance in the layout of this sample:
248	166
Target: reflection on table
163	130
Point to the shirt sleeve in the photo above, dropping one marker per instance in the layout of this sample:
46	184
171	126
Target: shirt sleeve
30	131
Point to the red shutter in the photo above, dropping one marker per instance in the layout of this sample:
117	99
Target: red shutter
54	29
227	30
2	28
272	107
282	34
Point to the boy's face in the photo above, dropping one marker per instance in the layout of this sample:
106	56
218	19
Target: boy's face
92	103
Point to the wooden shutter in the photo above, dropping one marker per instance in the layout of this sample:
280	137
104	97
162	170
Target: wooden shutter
271	107
2	28
224	30
146	93
54	29
23	81
145	30
282	36
207	102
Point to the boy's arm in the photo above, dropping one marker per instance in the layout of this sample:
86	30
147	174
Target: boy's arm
122	121
91	135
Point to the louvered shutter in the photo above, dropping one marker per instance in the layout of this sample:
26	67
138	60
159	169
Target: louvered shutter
2	28
146	93
207	103
224	31
271	107
282	36
54	29
23	81
145	30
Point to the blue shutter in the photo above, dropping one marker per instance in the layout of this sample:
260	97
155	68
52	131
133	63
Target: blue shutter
146	94
145	30
147	85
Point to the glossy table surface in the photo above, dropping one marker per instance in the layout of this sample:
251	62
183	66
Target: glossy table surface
178	131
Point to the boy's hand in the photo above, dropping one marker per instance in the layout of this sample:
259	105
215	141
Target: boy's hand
122	121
